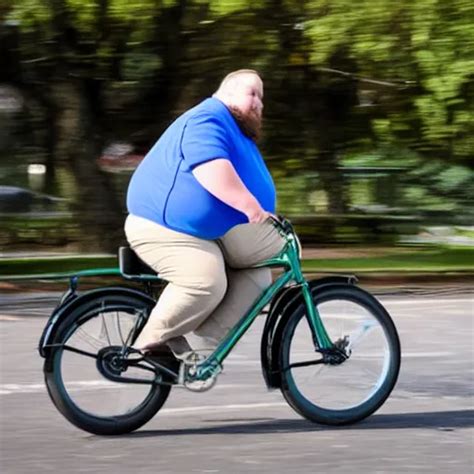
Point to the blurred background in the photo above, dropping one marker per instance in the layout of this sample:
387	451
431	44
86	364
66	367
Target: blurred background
368	129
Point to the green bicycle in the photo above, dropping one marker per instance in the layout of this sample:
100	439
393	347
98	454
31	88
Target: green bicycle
329	346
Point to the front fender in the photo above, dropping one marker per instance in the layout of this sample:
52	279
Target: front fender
282	307
73	301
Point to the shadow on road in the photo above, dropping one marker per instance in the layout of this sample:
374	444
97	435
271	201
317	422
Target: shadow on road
440	420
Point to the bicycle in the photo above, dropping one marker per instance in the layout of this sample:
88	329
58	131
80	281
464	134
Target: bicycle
314	330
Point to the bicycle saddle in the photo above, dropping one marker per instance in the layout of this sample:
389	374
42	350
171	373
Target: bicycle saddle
131	265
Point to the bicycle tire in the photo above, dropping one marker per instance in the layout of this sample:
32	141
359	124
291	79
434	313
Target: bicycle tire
335	416
62	399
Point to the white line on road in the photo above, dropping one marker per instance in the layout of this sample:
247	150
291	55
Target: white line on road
8	318
81	385
409	301
406	355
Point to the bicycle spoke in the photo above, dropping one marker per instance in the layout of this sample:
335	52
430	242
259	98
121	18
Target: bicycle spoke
312	375
119	327
366	328
89	339
104	327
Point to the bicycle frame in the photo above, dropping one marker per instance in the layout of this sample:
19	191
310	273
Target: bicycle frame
291	303
289	259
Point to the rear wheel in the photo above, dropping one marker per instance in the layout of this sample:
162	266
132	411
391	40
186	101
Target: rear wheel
80	371
336	392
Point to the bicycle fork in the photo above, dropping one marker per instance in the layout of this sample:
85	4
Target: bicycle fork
319	334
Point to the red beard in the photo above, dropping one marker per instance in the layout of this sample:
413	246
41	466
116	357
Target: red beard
250	124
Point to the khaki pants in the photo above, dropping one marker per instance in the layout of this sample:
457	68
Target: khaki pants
210	285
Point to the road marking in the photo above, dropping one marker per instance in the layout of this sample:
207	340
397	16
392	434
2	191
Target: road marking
8	318
9	388
406	355
426	300
80	385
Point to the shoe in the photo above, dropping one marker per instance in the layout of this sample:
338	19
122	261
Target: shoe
158	349
162	355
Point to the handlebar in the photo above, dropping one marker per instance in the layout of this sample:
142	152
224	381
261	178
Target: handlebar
287	230
282	223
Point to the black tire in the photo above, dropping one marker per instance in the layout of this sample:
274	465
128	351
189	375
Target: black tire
64	401
340	416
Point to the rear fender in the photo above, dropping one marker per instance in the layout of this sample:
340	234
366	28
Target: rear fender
73	301
282	307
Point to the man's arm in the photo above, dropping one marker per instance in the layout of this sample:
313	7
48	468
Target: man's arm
220	179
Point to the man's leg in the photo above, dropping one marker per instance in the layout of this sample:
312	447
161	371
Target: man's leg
195	270
246	245
243	246
243	288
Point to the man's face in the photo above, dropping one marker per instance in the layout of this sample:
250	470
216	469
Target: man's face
248	95
247	104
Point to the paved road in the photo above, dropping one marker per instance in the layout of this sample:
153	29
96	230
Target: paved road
239	427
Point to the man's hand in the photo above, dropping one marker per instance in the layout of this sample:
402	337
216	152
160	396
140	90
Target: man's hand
257	215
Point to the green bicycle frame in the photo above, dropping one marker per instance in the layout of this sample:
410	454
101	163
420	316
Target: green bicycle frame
289	259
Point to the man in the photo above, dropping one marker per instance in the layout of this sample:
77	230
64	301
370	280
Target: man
199	207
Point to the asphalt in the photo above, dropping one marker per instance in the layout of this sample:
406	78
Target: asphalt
239	426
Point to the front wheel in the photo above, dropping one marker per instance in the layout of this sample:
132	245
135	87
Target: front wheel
338	393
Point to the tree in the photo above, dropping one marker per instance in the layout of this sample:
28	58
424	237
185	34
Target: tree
424	48
340	78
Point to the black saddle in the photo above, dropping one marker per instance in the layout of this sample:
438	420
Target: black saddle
131	266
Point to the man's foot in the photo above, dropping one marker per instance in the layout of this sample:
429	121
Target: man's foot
176	345
157	349
161	354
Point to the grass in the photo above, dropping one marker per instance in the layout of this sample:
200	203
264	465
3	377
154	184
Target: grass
423	260
441	259
46	265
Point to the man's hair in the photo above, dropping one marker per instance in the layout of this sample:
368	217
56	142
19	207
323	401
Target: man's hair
234	74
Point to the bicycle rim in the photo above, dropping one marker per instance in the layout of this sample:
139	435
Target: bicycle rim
353	383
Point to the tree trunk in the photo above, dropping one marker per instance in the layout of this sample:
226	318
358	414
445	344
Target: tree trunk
77	146
332	180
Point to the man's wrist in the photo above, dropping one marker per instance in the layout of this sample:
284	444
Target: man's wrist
251	207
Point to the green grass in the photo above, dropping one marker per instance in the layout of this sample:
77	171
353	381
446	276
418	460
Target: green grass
444	259
464	233
423	260
46	265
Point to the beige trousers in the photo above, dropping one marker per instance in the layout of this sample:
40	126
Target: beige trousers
210	285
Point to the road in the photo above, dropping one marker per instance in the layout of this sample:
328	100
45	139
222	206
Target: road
239	426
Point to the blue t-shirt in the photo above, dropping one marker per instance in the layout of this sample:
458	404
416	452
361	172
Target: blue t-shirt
163	188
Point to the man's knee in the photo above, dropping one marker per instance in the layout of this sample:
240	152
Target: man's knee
246	245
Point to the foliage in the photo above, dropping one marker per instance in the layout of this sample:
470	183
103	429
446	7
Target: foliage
426	45
444	259
358	84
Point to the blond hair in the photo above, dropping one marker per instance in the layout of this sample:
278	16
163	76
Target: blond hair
234	74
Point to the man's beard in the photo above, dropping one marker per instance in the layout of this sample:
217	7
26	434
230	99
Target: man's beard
250	124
